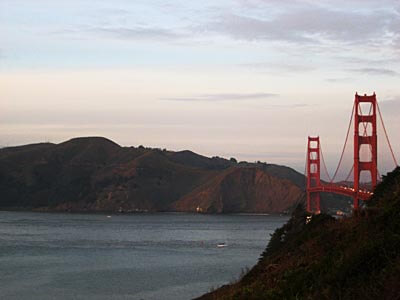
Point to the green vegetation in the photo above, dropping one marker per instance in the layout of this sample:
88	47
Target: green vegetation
320	257
96	174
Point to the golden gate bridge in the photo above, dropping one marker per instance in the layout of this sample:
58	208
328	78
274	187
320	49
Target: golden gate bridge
365	136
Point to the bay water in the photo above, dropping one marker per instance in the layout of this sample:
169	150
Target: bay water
157	256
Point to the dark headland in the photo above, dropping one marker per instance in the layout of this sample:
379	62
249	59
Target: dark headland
94	174
320	257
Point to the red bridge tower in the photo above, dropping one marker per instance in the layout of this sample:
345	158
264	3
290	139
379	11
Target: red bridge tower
365	121
313	174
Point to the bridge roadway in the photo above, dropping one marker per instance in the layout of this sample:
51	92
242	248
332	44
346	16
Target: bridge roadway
343	190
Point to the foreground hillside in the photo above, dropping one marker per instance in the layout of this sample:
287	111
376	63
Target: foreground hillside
325	258
96	174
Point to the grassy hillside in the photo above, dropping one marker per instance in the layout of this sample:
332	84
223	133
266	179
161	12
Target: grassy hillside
96	174
324	258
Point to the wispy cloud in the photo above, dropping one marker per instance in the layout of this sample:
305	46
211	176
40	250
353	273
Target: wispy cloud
300	23
277	67
252	29
114	11
339	80
309	24
138	33
376	71
358	60
224	97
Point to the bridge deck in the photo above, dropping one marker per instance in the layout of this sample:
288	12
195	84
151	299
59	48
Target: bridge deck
342	190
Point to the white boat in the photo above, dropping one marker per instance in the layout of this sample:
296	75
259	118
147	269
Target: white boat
221	245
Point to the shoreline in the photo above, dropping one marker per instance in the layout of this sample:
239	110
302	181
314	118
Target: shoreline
141	212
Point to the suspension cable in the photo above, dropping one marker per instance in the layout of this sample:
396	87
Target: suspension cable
345	143
323	163
387	137
348	175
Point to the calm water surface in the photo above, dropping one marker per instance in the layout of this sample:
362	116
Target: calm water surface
140	256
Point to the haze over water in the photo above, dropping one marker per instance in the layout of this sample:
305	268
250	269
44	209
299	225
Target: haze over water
140	256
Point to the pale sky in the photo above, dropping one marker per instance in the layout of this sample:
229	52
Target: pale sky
249	79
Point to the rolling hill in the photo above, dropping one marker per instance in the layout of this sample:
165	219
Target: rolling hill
96	174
